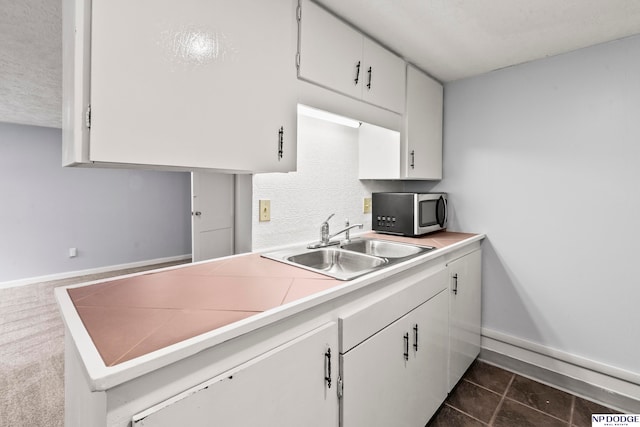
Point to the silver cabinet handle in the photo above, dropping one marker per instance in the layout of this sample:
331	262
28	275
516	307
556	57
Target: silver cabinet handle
327	368
280	142
406	346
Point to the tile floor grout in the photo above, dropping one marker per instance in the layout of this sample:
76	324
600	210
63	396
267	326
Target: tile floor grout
465	413
573	406
504	396
523	401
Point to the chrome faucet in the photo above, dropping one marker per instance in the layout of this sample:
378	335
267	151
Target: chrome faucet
325	237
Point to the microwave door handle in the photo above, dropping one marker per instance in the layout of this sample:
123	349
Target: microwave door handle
446	211
442	222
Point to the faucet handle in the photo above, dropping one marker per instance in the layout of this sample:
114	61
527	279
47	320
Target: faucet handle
330	216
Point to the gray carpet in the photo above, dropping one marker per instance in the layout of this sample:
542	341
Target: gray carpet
32	352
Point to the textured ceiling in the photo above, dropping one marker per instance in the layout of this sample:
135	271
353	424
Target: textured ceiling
31	62
451	39
454	39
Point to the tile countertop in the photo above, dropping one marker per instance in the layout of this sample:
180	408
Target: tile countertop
135	315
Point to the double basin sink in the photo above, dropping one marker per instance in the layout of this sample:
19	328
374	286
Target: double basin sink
349	260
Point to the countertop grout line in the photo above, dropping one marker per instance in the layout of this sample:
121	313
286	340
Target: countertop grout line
287	293
153	331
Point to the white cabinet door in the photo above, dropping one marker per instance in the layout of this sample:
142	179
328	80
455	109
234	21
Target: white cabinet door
194	84
384	77
465	311
401	370
429	349
375	378
420	155
286	387
330	51
422	136
338	57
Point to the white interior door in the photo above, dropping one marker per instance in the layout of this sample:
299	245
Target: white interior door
212	215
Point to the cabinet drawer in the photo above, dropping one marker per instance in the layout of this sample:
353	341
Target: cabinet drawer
364	321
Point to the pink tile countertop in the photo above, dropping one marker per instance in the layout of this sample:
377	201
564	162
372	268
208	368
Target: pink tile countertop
129	317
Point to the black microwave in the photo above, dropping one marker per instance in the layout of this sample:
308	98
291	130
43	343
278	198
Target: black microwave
408	214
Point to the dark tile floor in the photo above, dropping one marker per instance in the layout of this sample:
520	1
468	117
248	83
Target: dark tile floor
491	396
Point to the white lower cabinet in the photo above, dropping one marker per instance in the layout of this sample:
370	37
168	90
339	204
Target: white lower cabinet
396	376
384	357
291	386
465	314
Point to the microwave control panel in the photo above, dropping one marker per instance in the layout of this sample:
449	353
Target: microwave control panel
386	221
392	214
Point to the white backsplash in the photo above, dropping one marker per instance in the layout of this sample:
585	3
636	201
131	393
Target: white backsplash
326	182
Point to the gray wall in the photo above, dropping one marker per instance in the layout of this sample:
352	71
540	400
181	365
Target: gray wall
545	159
113	216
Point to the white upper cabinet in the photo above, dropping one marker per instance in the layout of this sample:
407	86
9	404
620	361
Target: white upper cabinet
334	55
422	134
384	77
378	152
418	152
191	84
330	51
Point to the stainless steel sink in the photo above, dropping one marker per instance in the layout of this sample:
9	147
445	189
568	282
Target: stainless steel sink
338	263
384	248
349	260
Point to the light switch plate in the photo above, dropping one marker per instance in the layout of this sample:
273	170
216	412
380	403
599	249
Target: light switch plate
366	207
265	210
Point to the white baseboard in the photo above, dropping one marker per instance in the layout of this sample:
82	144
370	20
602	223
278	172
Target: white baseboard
605	384
97	270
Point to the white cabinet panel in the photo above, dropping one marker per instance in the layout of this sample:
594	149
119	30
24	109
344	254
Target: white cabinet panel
375	377
420	154
338	57
465	314
286	387
428	373
195	84
422	135
384	77
330	51
378	152
401	369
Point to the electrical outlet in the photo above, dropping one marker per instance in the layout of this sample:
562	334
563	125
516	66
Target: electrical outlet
366	207
265	210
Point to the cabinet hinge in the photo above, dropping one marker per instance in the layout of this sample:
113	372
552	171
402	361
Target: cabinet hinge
298	13
298	60
87	117
340	388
